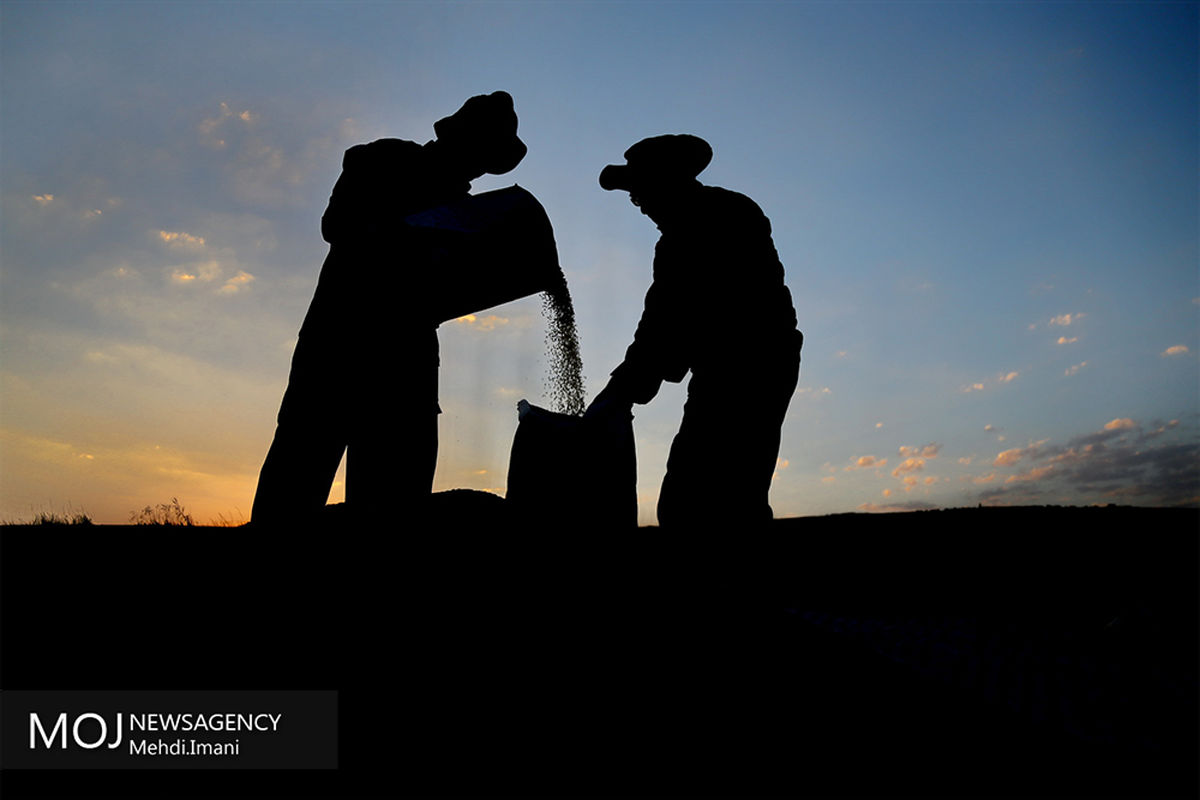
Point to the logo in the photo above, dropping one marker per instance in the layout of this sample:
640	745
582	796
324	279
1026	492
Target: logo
165	730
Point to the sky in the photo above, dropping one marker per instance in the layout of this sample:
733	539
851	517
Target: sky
988	214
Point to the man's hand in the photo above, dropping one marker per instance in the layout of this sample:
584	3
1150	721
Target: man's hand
609	402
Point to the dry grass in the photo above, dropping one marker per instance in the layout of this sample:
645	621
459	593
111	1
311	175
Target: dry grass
171	513
54	518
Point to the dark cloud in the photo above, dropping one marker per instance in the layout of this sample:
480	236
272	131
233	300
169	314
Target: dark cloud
1159	466
911	505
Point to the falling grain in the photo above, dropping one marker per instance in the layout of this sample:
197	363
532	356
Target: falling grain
565	368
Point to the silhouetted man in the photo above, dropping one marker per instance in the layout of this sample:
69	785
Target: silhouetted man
364	372
718	307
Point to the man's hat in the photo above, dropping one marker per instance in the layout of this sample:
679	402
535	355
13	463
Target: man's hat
488	123
674	158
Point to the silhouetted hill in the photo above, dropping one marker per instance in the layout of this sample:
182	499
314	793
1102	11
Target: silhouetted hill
999	651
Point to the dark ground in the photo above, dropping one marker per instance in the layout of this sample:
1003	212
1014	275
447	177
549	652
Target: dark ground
1006	652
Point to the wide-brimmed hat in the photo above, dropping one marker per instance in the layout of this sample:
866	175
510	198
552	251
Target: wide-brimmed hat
673	158
486	123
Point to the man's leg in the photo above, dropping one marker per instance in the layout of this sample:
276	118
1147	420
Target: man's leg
298	471
297	474
724	456
389	472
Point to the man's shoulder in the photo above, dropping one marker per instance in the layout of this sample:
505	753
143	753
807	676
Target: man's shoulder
722	204
729	200
381	150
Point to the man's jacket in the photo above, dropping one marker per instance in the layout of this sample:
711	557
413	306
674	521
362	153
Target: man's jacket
717	302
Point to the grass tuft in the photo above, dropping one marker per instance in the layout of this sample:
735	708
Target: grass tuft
54	518
171	513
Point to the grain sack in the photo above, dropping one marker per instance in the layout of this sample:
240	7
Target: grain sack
566	472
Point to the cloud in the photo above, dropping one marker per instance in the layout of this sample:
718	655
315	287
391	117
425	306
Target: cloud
930	450
864	462
1066	340
908	465
204	272
179	239
1064	320
238	282
211	128
1009	457
979	386
1175	350
1162	427
892	508
489	323
1074	370
966	460
1033	474
981	479
43	200
1120	460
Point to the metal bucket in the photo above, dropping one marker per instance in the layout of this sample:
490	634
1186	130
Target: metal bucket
486	250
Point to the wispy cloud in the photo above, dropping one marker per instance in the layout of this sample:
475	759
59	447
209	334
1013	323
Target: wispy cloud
1001	378
892	508
488	323
1032	474
237	283
866	462
1175	350
780	465
179	239
1064	320
930	450
211	128
1074	370
1009	457
908	465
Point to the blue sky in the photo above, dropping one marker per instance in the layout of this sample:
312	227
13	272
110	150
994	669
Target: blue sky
988	214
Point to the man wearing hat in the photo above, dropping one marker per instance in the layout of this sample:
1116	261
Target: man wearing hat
717	307
364	371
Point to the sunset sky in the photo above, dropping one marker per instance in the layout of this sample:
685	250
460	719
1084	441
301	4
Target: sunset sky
988	212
